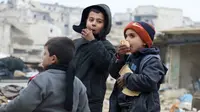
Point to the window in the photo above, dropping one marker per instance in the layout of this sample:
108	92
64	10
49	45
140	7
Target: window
118	23
18	51
66	25
147	20
35	52
51	30
44	17
137	18
62	18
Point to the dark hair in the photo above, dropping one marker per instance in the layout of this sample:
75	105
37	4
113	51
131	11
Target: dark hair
64	49
99	10
95	10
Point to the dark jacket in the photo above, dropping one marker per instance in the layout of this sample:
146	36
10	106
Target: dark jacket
46	93
92	60
13	63
147	82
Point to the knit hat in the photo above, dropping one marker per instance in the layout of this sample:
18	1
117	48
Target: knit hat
144	30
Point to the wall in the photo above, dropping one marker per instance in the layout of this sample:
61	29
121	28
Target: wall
5	38
189	65
146	10
174	66
168	18
40	32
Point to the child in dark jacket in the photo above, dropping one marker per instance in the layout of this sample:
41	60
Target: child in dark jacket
94	53
138	74
56	89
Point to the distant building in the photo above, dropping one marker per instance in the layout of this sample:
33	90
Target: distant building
27	25
188	21
161	18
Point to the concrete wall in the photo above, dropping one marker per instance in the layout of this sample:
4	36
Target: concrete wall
168	18
174	66
187	21
5	38
40	32
74	19
146	10
189	65
121	17
184	65
162	18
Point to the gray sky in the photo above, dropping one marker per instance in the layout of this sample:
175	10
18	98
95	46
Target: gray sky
191	8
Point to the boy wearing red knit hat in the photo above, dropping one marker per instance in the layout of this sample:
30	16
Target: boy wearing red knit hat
138	70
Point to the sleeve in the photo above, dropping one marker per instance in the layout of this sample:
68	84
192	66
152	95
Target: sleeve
115	67
148	80
27	101
83	101
102	53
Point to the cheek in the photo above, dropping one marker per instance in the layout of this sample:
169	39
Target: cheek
88	23
45	60
101	27
135	45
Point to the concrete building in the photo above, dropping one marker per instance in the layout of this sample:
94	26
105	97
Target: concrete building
162	18
181	48
5	38
188	22
121	18
116	34
64	17
27	25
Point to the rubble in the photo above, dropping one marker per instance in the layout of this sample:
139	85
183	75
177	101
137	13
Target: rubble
171	99
176	100
9	92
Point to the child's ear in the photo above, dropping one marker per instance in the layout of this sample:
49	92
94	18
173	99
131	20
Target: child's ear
54	59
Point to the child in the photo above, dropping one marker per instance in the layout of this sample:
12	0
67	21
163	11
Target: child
55	89
138	74
94	53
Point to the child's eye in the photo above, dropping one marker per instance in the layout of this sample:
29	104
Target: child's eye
99	22
132	35
91	19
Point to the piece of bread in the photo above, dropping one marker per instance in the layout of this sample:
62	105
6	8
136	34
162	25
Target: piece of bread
125	69
125	42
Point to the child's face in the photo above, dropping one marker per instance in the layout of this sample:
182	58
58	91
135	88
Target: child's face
134	39
47	59
95	22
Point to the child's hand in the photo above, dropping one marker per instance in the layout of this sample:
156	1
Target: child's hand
120	81
87	34
123	49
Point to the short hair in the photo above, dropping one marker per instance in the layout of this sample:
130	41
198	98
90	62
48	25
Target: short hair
62	47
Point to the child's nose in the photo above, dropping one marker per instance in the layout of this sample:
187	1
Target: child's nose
94	23
127	38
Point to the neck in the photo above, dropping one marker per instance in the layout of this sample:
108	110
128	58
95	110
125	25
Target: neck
58	66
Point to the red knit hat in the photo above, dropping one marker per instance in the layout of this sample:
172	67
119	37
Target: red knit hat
144	30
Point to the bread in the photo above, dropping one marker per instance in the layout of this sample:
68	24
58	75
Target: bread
125	42
125	69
